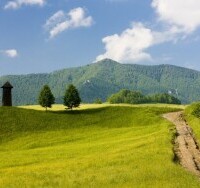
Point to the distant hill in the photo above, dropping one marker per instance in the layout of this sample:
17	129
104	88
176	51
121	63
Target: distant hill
101	79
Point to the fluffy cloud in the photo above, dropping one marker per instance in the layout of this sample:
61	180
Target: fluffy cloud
182	15
12	53
179	18
130	46
56	18
62	21
15	4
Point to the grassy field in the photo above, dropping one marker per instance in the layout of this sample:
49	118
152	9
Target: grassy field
95	146
193	121
59	107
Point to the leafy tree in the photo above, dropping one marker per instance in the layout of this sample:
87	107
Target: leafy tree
163	98
127	96
135	97
46	98
72	98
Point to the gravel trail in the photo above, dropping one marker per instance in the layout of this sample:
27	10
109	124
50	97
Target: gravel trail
186	147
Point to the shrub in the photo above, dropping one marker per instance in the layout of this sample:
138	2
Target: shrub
196	110
98	101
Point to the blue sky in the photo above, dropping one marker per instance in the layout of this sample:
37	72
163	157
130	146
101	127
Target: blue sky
47	35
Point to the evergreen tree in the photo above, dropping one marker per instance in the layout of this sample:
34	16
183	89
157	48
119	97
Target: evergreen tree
72	98
46	98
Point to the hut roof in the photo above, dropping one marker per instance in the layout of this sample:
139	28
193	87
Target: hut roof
7	85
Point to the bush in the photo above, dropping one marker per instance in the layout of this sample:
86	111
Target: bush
196	110
97	101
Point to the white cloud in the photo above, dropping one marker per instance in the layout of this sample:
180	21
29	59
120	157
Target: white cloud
62	21
56	18
130	46
179	18
12	53
15	4
183	15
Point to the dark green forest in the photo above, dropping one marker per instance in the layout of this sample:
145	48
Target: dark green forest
102	79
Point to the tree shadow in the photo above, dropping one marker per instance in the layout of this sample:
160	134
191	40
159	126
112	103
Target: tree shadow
82	111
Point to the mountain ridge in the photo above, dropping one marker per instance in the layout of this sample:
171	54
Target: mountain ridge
101	79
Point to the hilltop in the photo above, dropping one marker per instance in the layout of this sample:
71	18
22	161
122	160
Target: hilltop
101	79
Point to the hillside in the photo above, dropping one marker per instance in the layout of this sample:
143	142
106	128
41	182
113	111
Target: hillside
89	148
100	80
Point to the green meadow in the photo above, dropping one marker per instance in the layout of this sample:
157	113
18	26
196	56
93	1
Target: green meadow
94	146
193	121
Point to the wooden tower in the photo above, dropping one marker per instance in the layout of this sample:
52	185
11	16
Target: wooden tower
7	94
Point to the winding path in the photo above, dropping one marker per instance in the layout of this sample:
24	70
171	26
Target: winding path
186	147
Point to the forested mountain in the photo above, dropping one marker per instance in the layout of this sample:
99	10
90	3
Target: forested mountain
100	80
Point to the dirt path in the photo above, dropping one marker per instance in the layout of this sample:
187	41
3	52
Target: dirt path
186	147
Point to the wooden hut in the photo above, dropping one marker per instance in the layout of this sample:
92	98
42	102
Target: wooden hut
7	94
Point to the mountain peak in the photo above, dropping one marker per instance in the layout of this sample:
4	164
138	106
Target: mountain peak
107	61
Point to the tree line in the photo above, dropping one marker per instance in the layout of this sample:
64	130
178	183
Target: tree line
71	97
136	97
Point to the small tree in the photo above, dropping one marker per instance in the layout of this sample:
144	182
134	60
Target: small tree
72	98
46	98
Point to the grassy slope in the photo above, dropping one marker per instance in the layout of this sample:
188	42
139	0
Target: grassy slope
193	121
101	147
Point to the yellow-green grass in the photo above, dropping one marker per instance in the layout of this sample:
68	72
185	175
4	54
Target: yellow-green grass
193	121
60	107
114	146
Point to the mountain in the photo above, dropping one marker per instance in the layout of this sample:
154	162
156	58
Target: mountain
101	79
